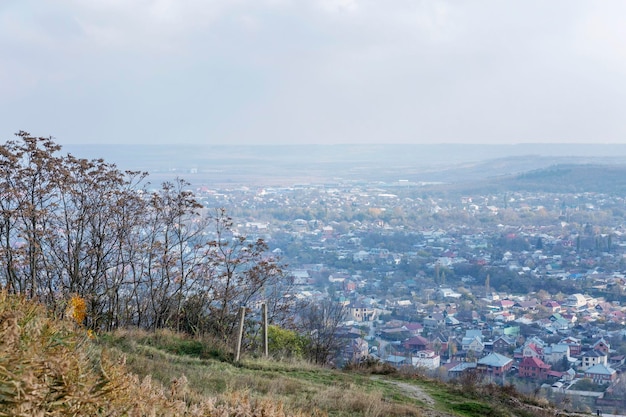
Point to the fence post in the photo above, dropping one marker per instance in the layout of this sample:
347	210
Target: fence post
265	342
242	315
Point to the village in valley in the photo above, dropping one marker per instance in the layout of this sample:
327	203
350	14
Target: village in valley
517	287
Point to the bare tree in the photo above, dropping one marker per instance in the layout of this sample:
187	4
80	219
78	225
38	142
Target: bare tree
152	259
9	227
170	260
320	323
29	169
239	270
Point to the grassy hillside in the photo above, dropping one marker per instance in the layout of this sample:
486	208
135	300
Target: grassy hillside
52	367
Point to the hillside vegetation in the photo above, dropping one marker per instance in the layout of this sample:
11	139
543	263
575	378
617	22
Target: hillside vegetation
556	178
55	367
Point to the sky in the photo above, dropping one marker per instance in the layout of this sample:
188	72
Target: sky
313	71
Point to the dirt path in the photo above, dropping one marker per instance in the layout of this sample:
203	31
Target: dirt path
409	390
413	391
417	393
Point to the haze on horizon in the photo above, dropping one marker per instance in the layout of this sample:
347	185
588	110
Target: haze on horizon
313	71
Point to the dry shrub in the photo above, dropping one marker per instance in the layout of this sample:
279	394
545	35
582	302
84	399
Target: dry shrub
45	369
52	368
371	366
470	380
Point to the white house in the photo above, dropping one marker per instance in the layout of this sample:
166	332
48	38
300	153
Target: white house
426	359
592	358
449	293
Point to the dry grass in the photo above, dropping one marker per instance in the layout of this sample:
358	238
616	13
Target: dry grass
296	384
52	368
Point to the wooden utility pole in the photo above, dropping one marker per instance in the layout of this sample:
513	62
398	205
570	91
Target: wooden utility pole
242	315
265	343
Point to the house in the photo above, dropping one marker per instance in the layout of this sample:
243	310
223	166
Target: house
592	358
396	360
394	334
504	305
503	344
473	344
617	361
534	368
572	318
601	374
460	368
569	375
528	350
439	342
494	364
426	359
357	350
450	321
300	276
361	312
576	302
403	303
474	333
504	316
416	344
555	353
434	320
414	328
575	346
552	306
559	322
338	277
602	346
449	293
530	305
473	340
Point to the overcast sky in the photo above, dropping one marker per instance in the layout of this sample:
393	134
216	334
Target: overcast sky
313	71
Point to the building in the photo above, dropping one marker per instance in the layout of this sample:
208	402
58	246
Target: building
449	293
416	344
602	346
534	368
494	364
473	344
460	368
396	360
361	312
503	344
357	350
575	346
601	374
592	358
577	302
426	359
555	353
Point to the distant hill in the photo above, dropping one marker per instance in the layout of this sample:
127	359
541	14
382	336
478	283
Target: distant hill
576	178
288	165
559	178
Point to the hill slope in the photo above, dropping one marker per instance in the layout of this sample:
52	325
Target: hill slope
374	390
52	367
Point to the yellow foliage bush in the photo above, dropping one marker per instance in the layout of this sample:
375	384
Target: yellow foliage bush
77	309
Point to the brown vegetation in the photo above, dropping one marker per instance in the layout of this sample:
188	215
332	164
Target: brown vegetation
137	256
51	367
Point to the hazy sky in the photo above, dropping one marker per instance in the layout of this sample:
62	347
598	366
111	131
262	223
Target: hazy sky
313	71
